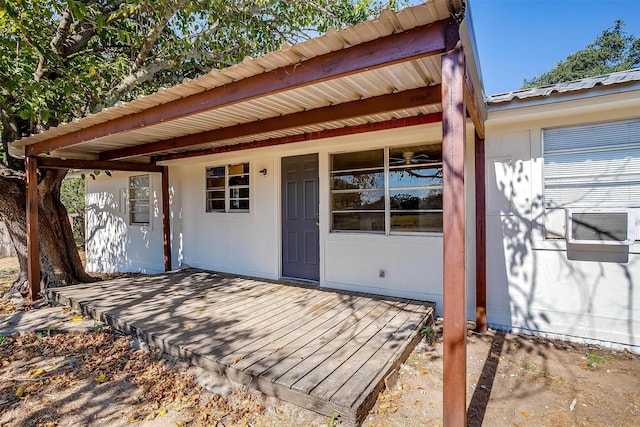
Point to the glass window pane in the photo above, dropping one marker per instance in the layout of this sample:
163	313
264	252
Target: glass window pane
357	160
359	221
139	206
235	193
239	180
215	205
139	181
217	182
235	205
140	217
139	212
360	200
346	181
239	169
416	199
139	193
416	221
217	171
415	155
415	176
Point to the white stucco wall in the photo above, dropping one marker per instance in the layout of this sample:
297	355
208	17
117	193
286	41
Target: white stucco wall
249	243
111	243
587	293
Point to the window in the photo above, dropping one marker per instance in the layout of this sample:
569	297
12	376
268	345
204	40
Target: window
139	200
590	166
387	190
227	188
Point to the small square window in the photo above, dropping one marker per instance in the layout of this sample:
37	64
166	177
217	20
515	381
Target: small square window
227	188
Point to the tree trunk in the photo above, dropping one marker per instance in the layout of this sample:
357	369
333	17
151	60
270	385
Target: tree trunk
60	263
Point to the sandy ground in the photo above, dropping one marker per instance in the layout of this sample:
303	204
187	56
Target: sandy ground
57	368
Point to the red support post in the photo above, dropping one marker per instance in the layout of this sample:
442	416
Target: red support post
166	219
455	326
481	237
33	236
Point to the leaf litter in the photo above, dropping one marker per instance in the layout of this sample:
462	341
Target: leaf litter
86	361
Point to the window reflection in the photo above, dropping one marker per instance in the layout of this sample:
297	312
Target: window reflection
411	197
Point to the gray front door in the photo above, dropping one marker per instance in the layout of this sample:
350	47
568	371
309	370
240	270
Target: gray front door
300	202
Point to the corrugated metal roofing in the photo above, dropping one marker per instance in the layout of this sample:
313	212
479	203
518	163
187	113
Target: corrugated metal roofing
398	77
576	85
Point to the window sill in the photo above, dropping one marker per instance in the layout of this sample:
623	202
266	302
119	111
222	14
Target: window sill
561	245
374	234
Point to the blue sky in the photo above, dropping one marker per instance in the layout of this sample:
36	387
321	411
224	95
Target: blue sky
524	38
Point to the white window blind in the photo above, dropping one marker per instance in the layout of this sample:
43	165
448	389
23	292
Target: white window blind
596	165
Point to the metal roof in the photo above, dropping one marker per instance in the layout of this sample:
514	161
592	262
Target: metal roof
572	86
411	74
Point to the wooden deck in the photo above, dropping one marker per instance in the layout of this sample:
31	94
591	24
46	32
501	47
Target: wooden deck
323	350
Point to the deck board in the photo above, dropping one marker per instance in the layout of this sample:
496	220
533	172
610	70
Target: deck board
315	368
281	347
339	368
324	350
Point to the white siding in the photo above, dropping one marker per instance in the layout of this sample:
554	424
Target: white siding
111	243
587	293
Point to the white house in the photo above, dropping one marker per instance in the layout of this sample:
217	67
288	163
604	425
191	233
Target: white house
573	146
368	159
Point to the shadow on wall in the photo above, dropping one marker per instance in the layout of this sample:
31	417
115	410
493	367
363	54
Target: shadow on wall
583	292
109	246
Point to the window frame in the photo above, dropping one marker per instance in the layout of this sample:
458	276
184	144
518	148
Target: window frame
387	189
131	202
228	188
554	225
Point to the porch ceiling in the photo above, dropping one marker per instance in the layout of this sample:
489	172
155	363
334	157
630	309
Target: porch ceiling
133	131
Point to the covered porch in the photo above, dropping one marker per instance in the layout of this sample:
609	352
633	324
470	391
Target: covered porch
323	350
409	70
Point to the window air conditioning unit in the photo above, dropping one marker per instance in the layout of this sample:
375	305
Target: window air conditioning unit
600	226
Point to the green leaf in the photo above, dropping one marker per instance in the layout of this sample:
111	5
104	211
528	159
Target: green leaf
24	114
45	115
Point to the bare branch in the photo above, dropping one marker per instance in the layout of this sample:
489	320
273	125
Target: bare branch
62	32
153	35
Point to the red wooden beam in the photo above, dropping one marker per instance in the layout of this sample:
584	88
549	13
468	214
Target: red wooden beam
166	219
54	163
454	226
310	136
375	105
481	237
416	43
473	109
33	236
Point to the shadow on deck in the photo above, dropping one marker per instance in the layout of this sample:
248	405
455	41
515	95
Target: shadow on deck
324	350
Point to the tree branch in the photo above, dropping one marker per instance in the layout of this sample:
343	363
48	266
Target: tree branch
62	32
152	36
